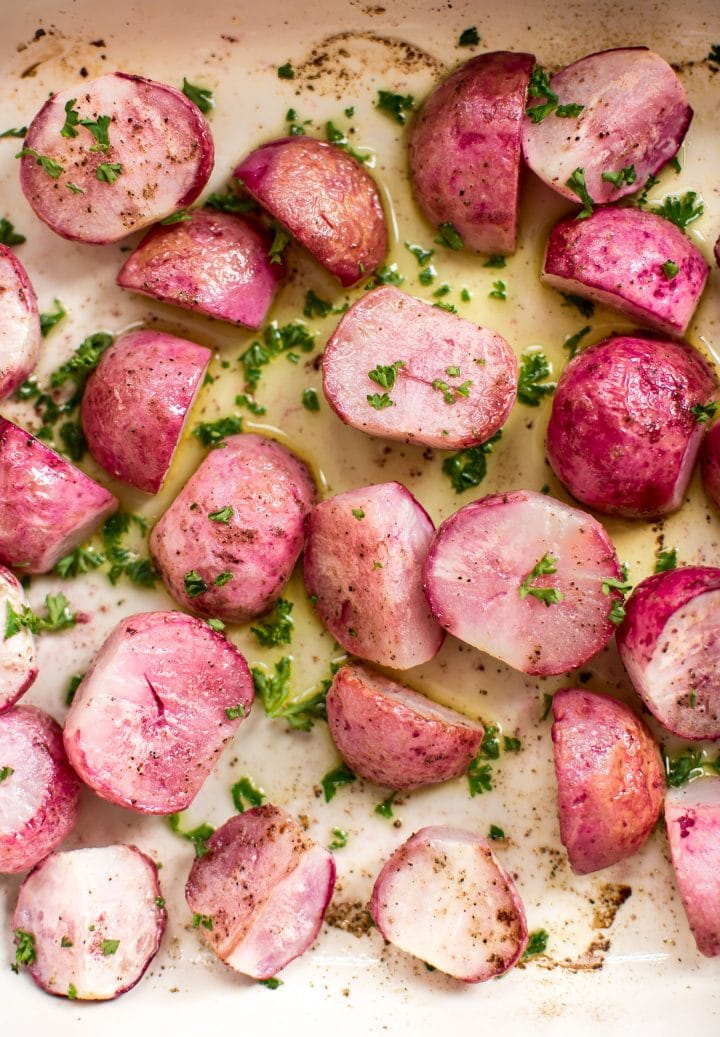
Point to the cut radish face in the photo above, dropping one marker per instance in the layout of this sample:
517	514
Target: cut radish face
163	697
524	578
394	736
136	404
634	261
326	199
670	645
633	118
710	464
692	816
261	890
465	150
139	151
444	897
18	660
363	559
212	262
400	368
39	790
19	324
626	424
94	919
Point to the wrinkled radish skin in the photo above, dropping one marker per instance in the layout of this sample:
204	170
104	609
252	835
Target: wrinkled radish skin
386	326
19	324
710	464
692	817
480	557
617	256
97	918
39	798
137	401
363	558
325	198
669	643
214	263
286	881
622	436
394	736
465	150
610	779
444	897
163	697
160	140
18	659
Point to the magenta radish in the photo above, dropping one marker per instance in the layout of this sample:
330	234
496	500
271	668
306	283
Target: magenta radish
710	464
692	817
19	324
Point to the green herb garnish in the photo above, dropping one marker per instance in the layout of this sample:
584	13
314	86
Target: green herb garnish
449	237
197	836
278	630
532	385
468	467
199	95
546	566
9	236
246	793
397	106
576	183
335	779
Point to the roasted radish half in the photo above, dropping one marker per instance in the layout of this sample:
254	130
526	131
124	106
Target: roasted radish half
18	660
89	922
526	579
363	559
394	736
260	891
19	324
710	464
38	789
627	423
163	697
670	645
444	897
400	368
692	816
610	779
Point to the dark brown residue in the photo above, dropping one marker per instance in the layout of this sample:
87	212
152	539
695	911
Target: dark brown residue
340	59
350	916
609	901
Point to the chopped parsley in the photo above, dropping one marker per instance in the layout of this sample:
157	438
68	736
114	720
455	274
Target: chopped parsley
5	772
385	809
222	515
108	172
449	237
181	216
617	613
278	630
496	833
469	37
275	340
670	269
586	307
682	210
547	705
666	560
511	745
687	765
272	983
25	947
99	130
47	164
72	117
385	275
495	262
499	291
704	412
423	255
386	375
358	513
310	400
73	685
537	943
202	920
286	71
281	239
539	88
194	584
335	779
379	401
546	566
651	182
626	175
713	56
199	95
569	111
316	307
576	183
72	992
274	693
20	133
48	321
572	342
243	400
59	617
339	139
109	947
468	467
427	275
83	361
213	433
222	578
246	793
532	384
66	942
81	560
215	624
197	836
228	201
340	839
450	393
479	776
8	234
397	106
235	712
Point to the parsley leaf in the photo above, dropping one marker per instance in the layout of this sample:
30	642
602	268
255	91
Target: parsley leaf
72	117
286	71
48	321
546	566
569	111
281	239
83	361
99	131
684	767
223	515
202	920
25	947
275	341
479	776
576	183
279	628
109	947
386	375
335	779
704	412
539	87
670	269
423	255
315	306
233	712
495	262
108	172
499	291
535	368
495	833
714	54
199	95
682	210
213	433
20	133
59	617
586	307
81	560
272	983
396	106
385	809
340	839
8	234
469	37
197	836
386	274
310	400
194	584
626	175
537	943
379	401
73	685
666	560
468	468
47	164
244	792
181	216
5	772
449	237
572	342
274	693
230	202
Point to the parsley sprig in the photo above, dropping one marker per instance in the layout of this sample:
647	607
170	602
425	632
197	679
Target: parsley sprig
468	467
532	384
545	566
59	617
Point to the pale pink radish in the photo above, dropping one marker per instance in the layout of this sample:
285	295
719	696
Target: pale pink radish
692	817
18	658
19	324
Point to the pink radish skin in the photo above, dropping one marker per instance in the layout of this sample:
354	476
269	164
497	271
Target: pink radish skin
18	659
616	257
479	559
47	505
386	326
692	817
363	559
97	919
271	492
266	887
394	736
610	779
622	436
710	464
20	337
160	139
669	643
465	150
136	404
444	897
325	198
635	114
160	702
213	263
39	797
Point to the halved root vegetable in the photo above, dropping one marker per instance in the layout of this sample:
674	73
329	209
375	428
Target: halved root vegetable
632	260
610	779
363	559
465	150
38	790
18	660
263	886
692	817
213	262
228	543
394	736
710	464
444	897
524	578
670	645
137	401
623	436
634	117
94	919
400	368
325	198
138	151
163	697
19	324
47	505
